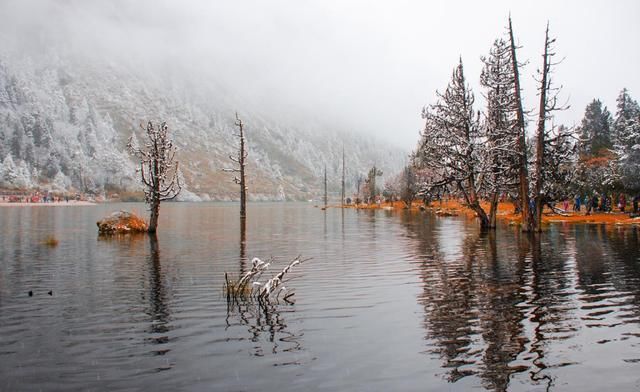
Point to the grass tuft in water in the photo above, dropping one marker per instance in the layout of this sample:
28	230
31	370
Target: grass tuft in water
51	241
249	287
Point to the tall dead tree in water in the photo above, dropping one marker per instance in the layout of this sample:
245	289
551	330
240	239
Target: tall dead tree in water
523	178
343	171
548	104
325	198
241	161
158	168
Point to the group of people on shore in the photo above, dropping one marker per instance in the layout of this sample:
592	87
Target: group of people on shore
602	203
37	197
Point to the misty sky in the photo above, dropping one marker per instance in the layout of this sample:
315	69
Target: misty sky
365	66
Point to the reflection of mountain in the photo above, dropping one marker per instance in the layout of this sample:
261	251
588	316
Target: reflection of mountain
66	123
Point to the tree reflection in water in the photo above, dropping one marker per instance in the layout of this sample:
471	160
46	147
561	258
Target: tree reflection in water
491	307
158	310
267	327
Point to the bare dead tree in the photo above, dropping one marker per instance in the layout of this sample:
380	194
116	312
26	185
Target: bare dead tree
158	168
241	162
522	143
343	172
325	198
548	104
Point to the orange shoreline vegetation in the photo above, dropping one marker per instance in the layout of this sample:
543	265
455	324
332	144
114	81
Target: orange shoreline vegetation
453	207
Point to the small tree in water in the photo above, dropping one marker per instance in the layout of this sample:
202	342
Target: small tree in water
241	161
158	168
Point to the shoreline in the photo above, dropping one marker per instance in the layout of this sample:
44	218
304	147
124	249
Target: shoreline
505	213
51	204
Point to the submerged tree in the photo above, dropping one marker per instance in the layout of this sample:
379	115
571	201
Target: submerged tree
343	175
547	143
158	168
325	198
241	161
523	175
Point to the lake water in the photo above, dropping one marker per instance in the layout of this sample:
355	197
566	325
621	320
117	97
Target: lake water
390	300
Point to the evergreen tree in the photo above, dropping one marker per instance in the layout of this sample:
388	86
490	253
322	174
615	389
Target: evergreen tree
595	130
451	144
371	183
627	120
626	127
500	126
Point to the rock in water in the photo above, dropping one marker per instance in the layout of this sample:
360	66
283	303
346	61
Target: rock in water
121	222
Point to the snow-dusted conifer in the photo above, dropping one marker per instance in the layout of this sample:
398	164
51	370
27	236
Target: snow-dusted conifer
500	125
451	144
595	130
8	171
559	165
626	127
370	182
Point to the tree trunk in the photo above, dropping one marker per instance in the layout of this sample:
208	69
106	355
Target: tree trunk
493	210
542	116
155	212
155	186
484	219
243	186
522	143
325	198
471	199
343	172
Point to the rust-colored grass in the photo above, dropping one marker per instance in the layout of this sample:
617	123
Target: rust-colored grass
506	212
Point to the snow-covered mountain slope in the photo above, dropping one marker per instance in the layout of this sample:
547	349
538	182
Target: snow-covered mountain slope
65	125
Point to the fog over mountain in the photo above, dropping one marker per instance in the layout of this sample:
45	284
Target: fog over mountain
306	77
72	91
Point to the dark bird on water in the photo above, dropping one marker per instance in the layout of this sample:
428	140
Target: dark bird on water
30	293
50	292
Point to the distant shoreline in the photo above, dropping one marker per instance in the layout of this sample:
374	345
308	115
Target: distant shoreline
70	203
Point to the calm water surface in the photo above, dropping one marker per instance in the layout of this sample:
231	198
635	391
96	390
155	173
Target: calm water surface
390	301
